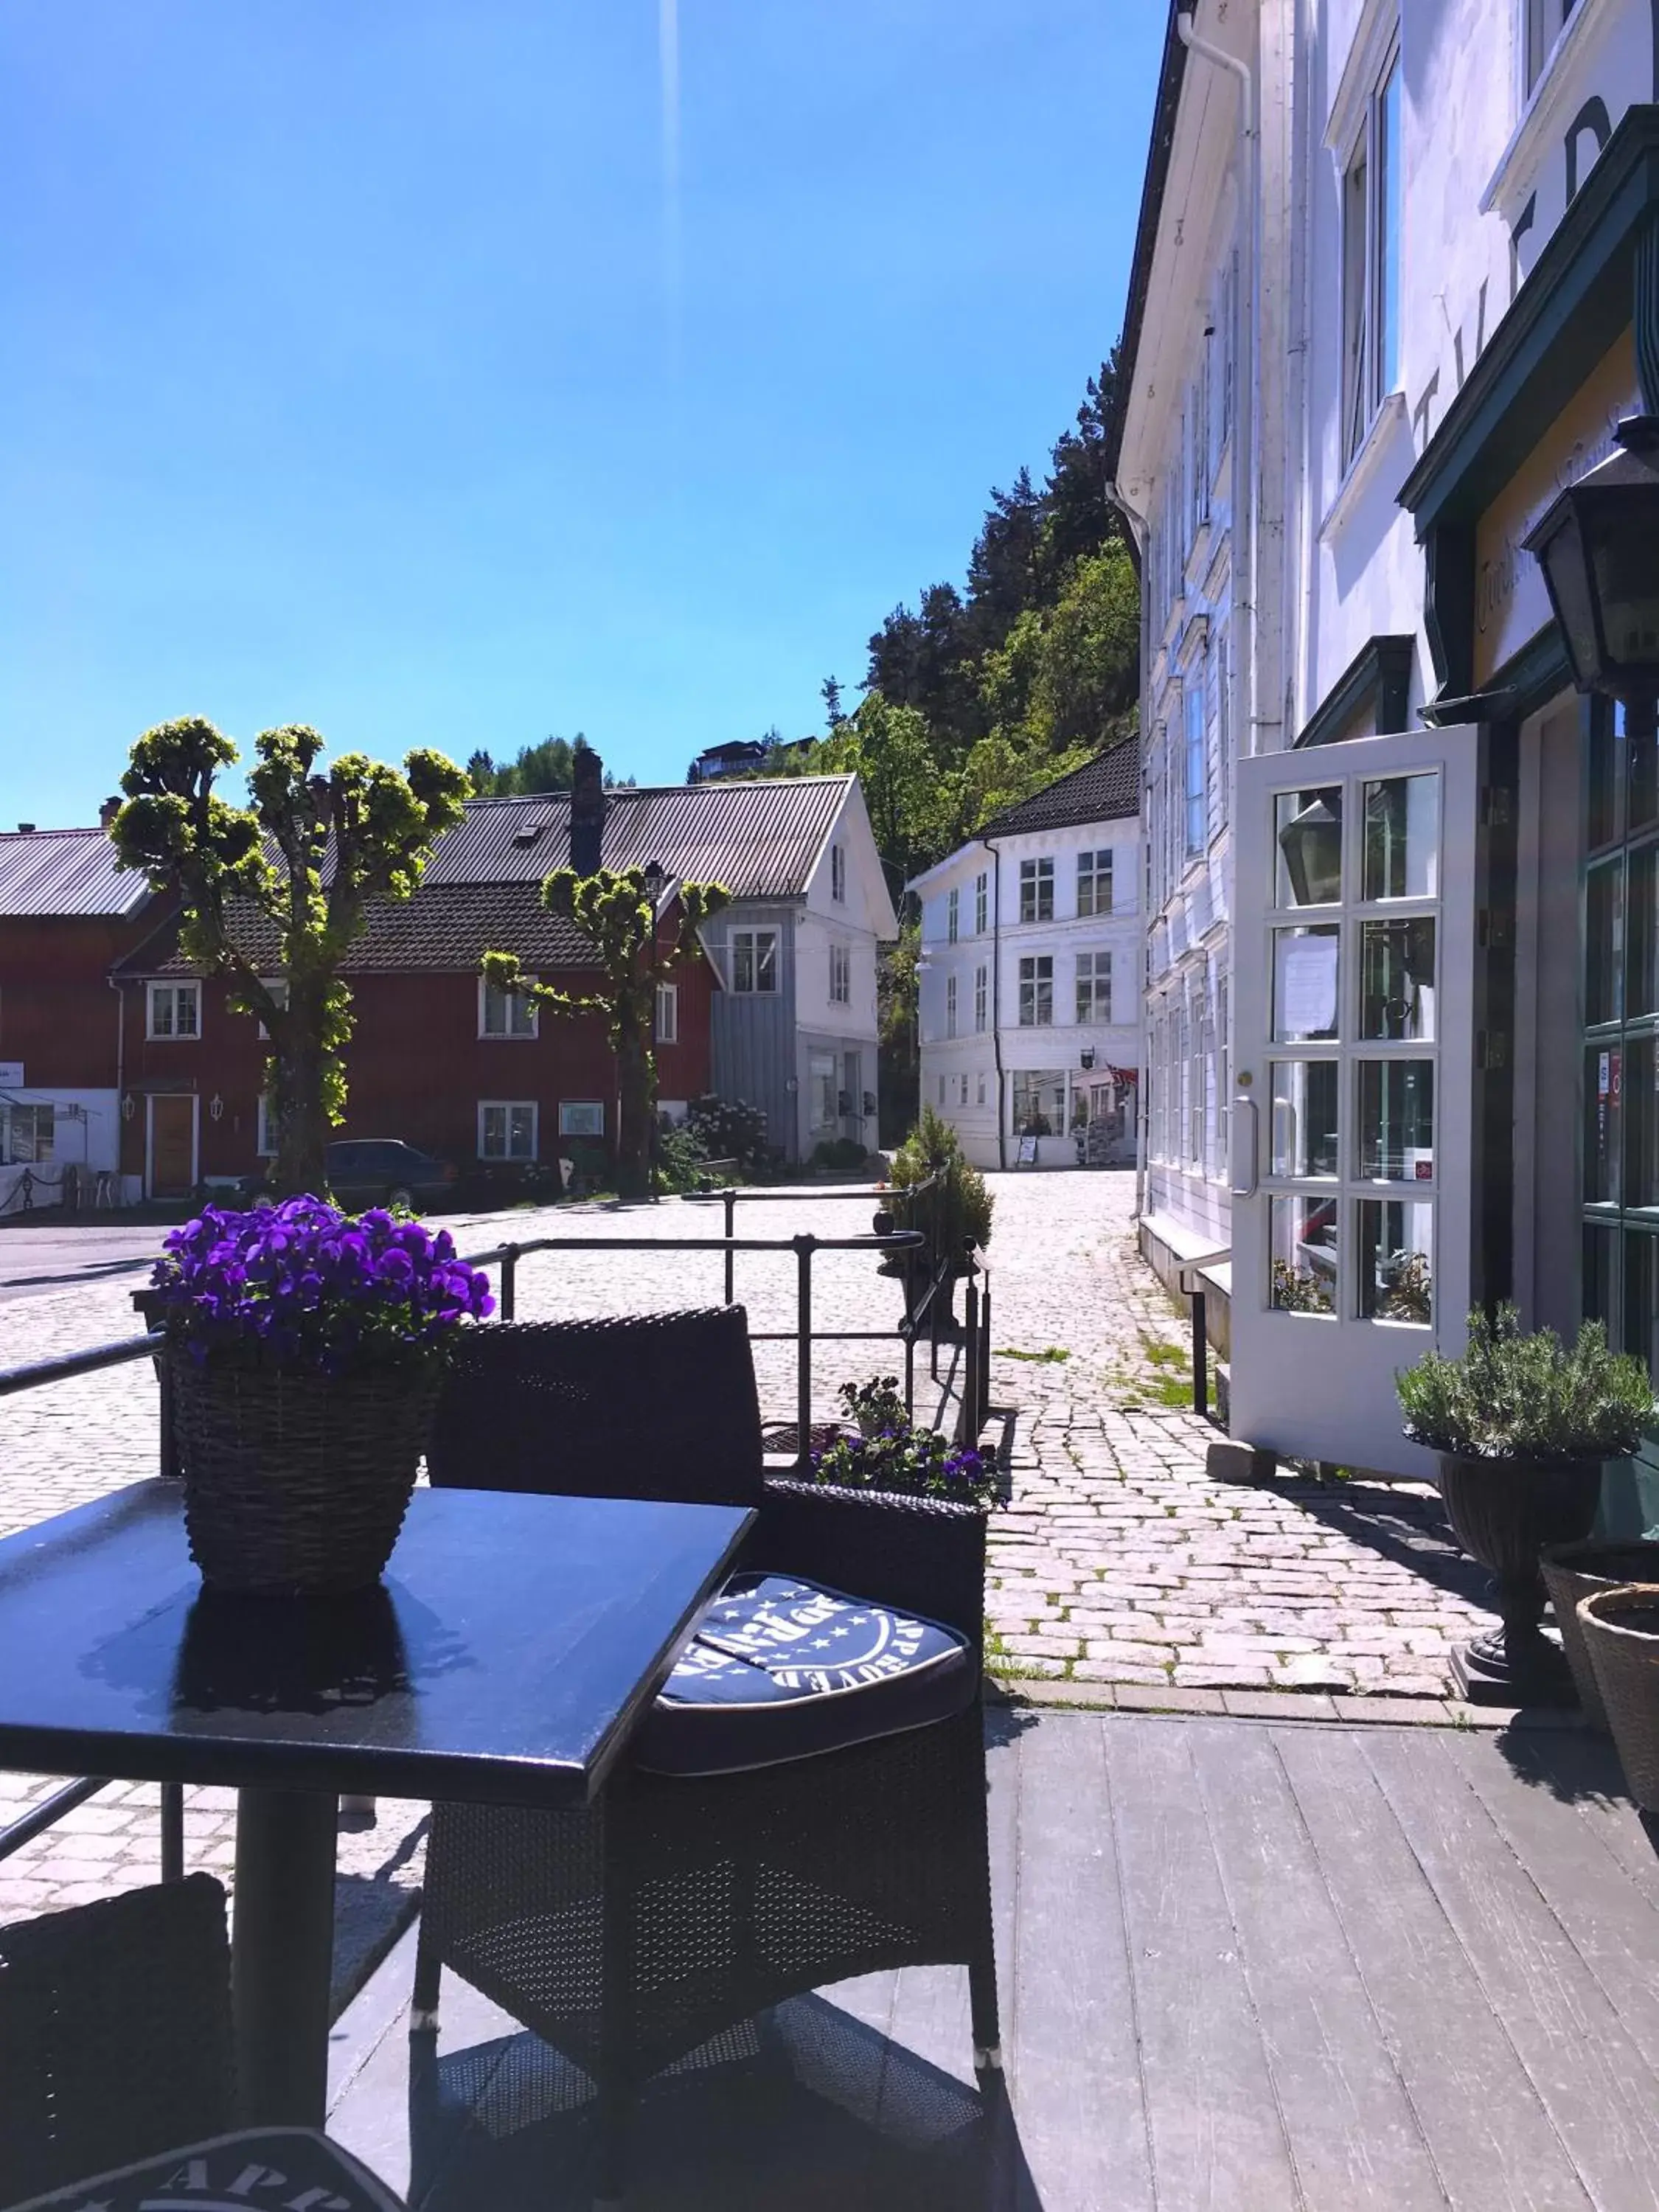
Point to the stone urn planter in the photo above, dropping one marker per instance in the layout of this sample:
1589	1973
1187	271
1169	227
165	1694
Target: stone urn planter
1522	1426
1620	1628
1571	1573
1504	1513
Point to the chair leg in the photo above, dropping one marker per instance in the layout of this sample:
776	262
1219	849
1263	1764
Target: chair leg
429	1975
614	2112
982	1997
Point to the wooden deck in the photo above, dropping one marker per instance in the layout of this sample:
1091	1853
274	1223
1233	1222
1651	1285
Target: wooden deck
1245	1966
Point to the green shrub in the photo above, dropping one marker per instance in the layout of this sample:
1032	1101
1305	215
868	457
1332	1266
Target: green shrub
1516	1395
727	1130
959	1205
839	1152
679	1159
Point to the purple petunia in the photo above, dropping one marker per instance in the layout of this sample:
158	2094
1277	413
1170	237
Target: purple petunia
304	1285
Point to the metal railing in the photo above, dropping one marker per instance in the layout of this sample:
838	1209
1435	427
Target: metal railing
933	1299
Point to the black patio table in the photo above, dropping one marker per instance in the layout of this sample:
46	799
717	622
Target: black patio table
513	1644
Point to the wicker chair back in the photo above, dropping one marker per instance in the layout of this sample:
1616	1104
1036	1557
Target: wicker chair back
115	2035
643	1406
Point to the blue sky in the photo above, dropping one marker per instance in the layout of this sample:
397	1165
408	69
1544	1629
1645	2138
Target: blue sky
363	365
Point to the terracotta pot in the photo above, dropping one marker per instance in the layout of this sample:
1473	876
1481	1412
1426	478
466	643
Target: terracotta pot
1504	1512
1571	1573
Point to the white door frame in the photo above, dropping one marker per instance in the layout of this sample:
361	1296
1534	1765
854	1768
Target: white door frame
1321	1385
150	1098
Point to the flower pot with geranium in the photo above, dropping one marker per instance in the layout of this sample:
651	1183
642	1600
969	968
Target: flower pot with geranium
305	1351
1522	1425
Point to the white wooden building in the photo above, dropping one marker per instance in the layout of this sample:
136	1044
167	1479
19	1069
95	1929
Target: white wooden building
1029	1001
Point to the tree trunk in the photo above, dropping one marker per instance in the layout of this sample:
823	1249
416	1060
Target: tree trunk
302	1124
637	1085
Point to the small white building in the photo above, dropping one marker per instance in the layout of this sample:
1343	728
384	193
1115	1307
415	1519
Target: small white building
1029	1005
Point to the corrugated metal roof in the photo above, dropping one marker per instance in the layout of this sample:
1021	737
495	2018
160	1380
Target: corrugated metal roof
65	872
1104	789
760	838
443	927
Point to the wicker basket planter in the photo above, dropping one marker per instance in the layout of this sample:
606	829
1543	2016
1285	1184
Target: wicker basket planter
1621	1633
296	1482
1506	1512
1572	1572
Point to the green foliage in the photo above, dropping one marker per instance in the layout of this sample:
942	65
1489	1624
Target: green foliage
633	954
679	1159
959	1206
549	766
839	1152
342	838
728	1129
1515	1394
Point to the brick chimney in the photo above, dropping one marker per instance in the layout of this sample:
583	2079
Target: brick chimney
107	812
587	810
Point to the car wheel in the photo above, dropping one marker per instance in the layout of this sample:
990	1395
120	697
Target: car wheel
400	1199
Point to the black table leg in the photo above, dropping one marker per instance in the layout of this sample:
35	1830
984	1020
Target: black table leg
282	1954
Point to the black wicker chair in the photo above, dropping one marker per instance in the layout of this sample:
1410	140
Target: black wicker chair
631	1933
115	2035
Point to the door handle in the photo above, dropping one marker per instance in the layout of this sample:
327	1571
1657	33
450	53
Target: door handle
1244	1148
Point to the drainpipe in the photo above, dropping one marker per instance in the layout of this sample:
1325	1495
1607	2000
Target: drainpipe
1246	395
992	847
1138	529
120	1065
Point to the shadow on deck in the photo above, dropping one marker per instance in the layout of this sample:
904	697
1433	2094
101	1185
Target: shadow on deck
1245	1967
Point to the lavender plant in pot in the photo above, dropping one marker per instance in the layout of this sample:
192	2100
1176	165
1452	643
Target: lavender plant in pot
305	1350
1521	1424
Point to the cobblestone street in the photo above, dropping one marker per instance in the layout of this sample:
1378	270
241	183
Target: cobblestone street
1117	1561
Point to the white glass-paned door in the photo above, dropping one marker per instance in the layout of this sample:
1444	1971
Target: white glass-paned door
1353	1084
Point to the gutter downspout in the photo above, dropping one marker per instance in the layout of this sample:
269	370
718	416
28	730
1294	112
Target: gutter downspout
120	1068
1246	397
996	994
1138	532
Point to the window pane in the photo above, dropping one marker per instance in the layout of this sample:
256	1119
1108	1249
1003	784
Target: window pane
1304	1117
743	961
1402	838
1604	942
1600	1250
1603	1083
1641	1105
1039	1097
1606	759
1396	1119
1396	979
1638	1333
495	1131
1303	1248
1642	933
766	960
1307	825
1305	983
1355	413
1388	236
1397	1260
520	1132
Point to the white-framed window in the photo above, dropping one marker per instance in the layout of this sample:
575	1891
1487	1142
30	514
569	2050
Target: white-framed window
755	960
265	1141
1094	883
952	915
1371	200
1039	1102
505	1013
980	1099
840	975
950	1005
982	997
838	874
1542	22
507	1129
27	1134
821	1071
964	1090
1036	991
668	1014
581	1117
982	902
277	986
1194	793
941	1090
1036	891
174	1010
1094	987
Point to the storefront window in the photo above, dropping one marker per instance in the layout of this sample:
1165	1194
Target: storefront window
1040	1102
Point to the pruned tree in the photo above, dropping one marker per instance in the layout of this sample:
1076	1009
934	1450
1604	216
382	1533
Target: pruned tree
312	853
614	911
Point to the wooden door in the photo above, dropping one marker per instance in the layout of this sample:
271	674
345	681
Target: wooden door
172	1146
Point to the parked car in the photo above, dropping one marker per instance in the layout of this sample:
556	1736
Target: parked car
380	1171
